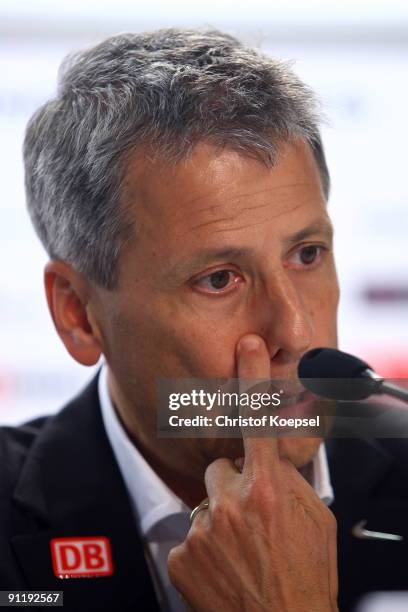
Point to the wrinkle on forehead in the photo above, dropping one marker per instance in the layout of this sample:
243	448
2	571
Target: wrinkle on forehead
249	194
246	209
240	227
202	193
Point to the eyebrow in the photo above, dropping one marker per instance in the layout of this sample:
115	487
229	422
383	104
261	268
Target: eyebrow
206	256
319	227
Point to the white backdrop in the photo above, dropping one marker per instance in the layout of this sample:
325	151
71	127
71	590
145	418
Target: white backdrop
355	55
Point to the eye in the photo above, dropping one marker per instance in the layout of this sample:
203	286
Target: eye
308	255
220	281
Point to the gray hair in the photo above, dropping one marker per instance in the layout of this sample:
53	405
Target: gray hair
167	90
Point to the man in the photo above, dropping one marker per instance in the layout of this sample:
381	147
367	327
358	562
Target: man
179	185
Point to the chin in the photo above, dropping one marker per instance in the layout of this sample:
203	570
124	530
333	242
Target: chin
300	451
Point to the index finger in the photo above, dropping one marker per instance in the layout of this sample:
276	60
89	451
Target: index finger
253	365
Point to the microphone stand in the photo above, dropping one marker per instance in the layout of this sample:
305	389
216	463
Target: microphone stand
387	388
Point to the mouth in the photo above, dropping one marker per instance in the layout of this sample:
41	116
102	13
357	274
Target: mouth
297	405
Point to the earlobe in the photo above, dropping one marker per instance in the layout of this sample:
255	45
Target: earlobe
67	297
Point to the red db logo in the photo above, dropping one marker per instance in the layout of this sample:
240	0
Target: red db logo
85	556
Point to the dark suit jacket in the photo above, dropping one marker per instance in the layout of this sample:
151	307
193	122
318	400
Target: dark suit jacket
59	478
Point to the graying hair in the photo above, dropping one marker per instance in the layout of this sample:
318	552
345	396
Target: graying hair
169	90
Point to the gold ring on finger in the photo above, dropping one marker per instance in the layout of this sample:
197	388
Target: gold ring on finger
204	505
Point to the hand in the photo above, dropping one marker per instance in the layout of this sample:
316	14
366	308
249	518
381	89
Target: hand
267	542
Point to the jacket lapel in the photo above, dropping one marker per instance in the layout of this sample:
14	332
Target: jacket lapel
71	486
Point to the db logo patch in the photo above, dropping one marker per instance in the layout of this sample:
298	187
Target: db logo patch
78	557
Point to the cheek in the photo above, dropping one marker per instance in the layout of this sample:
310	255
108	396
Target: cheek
196	342
174	343
204	351
323	311
125	343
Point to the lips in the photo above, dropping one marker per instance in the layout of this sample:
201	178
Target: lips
300	405
296	401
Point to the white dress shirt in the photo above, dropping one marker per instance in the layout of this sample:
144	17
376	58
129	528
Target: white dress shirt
162	517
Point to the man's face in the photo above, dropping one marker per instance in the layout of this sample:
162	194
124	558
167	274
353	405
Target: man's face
223	246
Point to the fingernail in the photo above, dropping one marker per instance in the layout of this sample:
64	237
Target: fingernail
249	343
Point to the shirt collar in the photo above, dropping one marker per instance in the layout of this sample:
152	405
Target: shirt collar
318	475
151	498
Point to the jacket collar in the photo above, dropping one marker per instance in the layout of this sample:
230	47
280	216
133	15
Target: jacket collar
71	485
69	453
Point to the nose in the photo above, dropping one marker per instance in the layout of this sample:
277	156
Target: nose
288	325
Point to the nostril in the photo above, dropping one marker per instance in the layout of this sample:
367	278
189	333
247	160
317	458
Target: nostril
281	357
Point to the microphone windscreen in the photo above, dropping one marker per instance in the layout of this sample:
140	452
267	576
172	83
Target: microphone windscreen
330	373
330	363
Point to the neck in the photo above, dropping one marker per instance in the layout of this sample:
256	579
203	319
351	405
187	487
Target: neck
177	462
188	487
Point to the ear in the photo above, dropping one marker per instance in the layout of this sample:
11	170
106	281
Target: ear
68	301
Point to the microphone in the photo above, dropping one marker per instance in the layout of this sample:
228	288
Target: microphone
337	375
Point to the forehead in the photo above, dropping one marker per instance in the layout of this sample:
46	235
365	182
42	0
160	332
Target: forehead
219	191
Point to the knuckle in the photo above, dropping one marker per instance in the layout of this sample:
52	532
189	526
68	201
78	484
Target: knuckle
199	526
259	494
175	563
196	539
214	468
223	514
210	470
